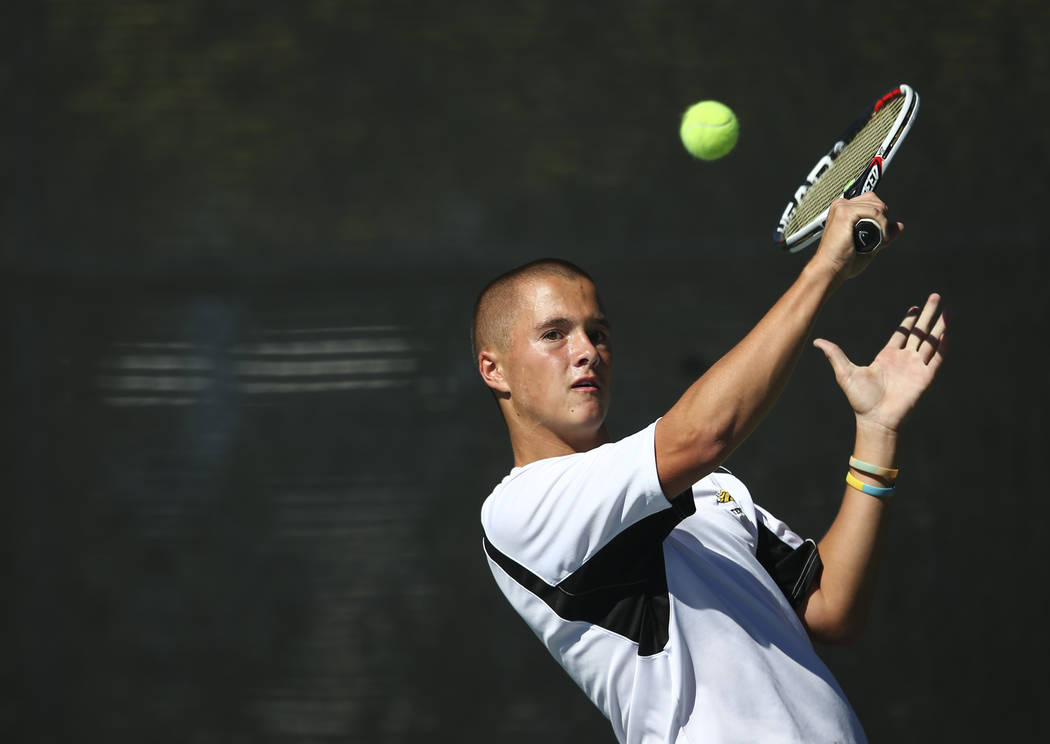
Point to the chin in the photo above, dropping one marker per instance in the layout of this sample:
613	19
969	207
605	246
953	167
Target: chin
589	427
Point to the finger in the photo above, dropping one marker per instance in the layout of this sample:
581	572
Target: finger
875	208
937	359
840	363
893	230
921	328
939	355
900	335
870	198
929	346
867	205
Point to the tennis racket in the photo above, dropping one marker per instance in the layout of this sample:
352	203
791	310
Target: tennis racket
854	165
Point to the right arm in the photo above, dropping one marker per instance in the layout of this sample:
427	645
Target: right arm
723	407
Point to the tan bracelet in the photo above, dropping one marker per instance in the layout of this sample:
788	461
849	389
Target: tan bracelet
867	467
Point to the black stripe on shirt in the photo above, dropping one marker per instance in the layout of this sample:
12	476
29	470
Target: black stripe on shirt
622	587
793	569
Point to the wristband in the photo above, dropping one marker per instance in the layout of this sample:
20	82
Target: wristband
854	482
867	467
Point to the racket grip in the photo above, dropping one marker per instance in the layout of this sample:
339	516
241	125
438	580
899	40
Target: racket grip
867	235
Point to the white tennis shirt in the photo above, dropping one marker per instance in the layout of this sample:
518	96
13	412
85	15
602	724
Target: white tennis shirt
664	614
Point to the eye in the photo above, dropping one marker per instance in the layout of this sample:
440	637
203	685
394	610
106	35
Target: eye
598	337
552	335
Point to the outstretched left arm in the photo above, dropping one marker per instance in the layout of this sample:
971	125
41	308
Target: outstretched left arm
881	394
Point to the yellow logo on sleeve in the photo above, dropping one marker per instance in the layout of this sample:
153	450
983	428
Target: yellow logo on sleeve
724	497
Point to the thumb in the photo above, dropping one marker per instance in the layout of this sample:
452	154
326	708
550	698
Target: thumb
840	363
894	229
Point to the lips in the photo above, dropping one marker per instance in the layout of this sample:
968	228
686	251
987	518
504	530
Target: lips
586	383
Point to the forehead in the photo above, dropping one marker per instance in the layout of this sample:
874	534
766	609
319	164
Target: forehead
556	296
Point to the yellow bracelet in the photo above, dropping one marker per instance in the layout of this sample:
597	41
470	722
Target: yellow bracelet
867	467
855	482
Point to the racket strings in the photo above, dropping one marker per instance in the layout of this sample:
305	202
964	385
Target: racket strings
854	157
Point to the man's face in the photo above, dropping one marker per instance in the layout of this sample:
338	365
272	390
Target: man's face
558	365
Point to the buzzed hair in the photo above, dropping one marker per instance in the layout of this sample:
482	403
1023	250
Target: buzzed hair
494	308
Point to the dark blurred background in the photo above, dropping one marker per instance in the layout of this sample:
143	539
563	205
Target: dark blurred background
246	445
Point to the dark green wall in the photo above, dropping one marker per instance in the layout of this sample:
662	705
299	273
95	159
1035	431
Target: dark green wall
239	244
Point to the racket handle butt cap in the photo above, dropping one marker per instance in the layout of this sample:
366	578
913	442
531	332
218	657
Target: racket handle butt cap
867	235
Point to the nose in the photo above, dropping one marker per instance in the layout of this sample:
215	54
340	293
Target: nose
585	353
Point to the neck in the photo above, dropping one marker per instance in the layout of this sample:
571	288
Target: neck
534	444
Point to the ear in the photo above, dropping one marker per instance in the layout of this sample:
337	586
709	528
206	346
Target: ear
492	371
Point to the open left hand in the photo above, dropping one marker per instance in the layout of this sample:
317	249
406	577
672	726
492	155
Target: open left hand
884	392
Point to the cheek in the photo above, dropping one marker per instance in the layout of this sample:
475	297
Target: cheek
524	379
537	378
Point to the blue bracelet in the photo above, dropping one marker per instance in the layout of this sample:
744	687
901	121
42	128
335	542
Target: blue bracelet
855	482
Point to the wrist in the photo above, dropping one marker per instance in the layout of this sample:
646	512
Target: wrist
877	445
877	431
823	273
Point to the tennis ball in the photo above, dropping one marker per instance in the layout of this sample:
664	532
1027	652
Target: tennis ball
709	130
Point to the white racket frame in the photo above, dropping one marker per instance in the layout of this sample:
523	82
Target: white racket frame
809	233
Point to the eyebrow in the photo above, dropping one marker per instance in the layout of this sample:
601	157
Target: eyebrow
562	321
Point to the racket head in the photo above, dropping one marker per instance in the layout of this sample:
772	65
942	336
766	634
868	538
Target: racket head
855	163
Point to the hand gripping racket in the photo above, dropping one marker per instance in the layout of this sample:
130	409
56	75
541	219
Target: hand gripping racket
853	166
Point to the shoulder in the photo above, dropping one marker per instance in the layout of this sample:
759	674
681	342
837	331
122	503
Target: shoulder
582	499
612	464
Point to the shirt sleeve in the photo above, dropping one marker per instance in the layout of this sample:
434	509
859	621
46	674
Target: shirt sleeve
780	530
553	515
793	563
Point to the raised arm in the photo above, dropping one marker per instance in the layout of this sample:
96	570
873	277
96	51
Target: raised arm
881	395
723	407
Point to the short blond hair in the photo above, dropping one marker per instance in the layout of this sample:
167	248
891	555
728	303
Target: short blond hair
496	305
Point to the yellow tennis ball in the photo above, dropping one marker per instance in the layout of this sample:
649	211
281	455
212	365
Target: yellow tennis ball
709	130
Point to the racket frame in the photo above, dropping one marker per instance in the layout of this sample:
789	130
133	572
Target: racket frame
867	180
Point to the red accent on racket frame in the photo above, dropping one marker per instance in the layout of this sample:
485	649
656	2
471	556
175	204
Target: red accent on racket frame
886	99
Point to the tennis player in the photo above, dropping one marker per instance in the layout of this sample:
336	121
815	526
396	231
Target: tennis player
683	609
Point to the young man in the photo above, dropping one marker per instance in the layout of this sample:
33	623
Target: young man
683	609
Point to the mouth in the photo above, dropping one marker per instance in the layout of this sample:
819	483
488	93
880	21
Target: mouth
586	385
